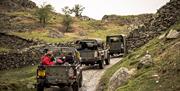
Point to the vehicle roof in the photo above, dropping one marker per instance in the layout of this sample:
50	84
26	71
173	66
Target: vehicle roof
99	41
117	35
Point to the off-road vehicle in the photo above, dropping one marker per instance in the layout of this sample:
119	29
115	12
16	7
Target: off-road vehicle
66	74
117	44
93	51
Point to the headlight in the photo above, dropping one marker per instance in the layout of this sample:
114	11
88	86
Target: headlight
41	73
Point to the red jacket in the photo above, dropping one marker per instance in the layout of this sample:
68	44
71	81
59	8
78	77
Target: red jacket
46	60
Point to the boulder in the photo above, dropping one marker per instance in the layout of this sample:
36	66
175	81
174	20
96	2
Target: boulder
173	34
120	77
145	62
162	36
55	33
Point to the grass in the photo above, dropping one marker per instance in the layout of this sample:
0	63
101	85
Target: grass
103	33
93	28
2	49
166	67
42	35
17	79
22	13
143	80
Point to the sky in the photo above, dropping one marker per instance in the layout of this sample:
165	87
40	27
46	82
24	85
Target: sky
98	8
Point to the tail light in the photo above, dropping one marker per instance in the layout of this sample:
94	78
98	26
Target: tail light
71	73
96	54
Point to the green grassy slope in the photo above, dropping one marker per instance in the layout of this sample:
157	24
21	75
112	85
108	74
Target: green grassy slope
18	79
91	28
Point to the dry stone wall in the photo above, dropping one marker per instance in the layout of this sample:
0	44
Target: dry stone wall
127	20
165	17
24	52
18	59
17	56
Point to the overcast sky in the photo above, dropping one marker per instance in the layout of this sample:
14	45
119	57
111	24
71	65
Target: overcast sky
98	8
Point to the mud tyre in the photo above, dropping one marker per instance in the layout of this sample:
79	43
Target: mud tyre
40	87
107	61
101	64
75	86
80	80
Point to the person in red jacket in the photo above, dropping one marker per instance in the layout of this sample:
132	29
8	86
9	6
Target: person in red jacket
47	59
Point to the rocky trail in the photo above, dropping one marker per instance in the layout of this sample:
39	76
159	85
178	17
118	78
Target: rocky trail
91	77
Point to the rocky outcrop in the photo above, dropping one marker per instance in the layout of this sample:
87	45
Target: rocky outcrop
17	4
14	42
127	20
11	23
165	17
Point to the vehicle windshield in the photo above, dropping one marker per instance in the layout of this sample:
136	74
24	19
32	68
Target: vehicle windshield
89	45
115	39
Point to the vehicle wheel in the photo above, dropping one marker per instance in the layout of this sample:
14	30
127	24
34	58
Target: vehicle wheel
75	86
101	64
40	87
87	64
107	60
80	80
92	64
111	54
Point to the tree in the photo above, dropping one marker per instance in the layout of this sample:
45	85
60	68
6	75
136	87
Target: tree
78	9
44	14
67	20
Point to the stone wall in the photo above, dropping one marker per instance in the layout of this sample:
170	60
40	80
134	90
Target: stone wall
127	20
23	52
165	17
19	59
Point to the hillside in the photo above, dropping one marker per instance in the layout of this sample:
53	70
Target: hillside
153	62
20	30
163	75
160	75
22	39
21	21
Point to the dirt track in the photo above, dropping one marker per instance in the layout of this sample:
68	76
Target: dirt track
91	77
